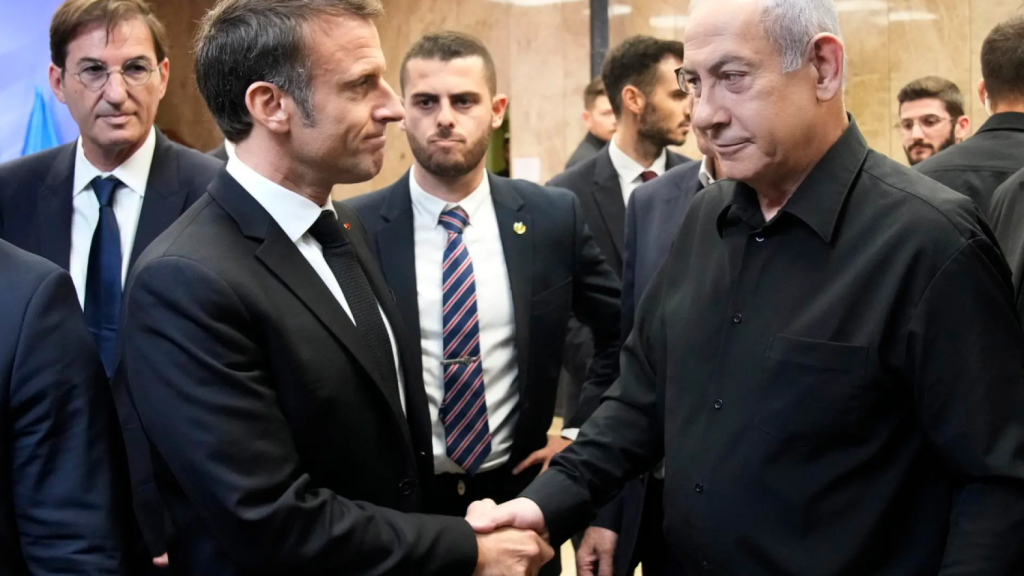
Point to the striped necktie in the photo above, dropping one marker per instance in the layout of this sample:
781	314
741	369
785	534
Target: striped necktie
464	408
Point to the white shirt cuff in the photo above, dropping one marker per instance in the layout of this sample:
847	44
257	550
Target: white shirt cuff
570	433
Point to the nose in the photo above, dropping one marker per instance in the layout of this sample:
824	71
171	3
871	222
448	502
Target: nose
917	132
707	113
445	118
391	109
115	91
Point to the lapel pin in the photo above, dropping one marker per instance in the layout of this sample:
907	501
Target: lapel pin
347	225
519	227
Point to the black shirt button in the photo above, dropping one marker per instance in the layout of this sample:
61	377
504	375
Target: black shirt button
406	486
737	318
719	404
699	488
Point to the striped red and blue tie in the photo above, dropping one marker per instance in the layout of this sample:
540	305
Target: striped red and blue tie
464	408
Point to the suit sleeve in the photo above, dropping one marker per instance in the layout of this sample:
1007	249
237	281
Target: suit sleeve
1008	226
963	356
63	434
196	371
621	440
596	293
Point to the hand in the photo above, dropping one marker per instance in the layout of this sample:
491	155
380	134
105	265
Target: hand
511	552
161	561
596	555
543	456
522	513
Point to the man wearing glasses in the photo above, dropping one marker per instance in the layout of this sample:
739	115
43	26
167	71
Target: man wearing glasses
93	206
931	117
981	164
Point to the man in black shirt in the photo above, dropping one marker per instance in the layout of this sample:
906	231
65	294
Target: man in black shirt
829	359
981	163
599	120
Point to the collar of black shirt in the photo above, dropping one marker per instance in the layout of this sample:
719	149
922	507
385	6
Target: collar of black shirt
818	200
1003	121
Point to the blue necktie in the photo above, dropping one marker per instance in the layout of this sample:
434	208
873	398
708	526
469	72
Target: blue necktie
464	408
103	283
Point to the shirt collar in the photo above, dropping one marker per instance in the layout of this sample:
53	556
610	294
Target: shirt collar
133	172
430	207
706	179
819	199
294	213
629	169
1003	121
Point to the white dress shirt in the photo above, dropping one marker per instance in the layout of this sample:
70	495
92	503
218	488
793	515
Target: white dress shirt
295	214
706	179
629	170
85	215
494	307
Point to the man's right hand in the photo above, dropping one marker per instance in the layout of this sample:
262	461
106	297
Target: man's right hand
511	552
485	516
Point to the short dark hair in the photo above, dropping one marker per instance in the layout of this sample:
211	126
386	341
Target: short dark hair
1002	60
934	87
593	91
635	63
74	15
449	45
241	42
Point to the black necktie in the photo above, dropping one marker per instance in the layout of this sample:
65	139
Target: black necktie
103	280
342	260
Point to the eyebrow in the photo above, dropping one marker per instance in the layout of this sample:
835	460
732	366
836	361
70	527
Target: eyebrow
466	95
91	60
722	62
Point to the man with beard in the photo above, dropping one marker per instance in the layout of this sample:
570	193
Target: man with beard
981	164
931	117
486	271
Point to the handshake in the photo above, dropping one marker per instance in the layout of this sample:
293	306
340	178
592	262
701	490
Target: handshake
512	538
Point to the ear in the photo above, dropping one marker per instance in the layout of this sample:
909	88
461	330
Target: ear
499	104
827	59
963	128
982	92
164	69
56	77
633	100
267	106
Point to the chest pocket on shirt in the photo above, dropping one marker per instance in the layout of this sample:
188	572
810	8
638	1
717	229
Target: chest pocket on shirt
813	390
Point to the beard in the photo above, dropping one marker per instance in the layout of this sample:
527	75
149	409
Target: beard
450	164
949	141
655	129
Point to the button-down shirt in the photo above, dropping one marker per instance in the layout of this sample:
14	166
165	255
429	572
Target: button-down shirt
704	173
494	307
630	170
838	390
85	215
295	214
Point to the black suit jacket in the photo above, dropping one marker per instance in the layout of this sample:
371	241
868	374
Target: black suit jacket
58	512
980	164
596	184
278	449
35	215
554	268
587	149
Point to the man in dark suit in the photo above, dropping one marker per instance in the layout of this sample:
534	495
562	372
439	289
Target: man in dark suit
651	113
94	205
57	429
263	350
829	399
628	530
599	120
978	165
485	271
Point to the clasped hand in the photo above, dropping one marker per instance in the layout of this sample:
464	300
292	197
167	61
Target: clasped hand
512	538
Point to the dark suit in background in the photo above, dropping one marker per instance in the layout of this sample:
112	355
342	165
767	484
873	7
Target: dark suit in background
980	164
279	447
554	269
596	184
1007	218
58	510
587	149
220	153
36	207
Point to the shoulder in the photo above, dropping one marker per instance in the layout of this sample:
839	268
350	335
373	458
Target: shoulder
549	197
668	184
194	167
577	175
34	167
370	203
23	273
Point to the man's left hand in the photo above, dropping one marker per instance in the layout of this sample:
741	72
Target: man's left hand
543	456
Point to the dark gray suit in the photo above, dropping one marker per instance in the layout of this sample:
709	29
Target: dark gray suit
588	148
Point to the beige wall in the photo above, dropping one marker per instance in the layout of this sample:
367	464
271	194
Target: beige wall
541	48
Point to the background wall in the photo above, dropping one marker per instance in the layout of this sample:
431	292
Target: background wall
541	48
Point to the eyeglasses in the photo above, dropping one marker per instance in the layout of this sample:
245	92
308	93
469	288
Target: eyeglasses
927	122
681	80
95	76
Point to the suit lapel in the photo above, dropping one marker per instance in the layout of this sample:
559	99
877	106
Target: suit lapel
56	204
672	160
608	195
518	249
164	199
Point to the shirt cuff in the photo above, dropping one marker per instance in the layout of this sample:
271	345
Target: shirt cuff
570	433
